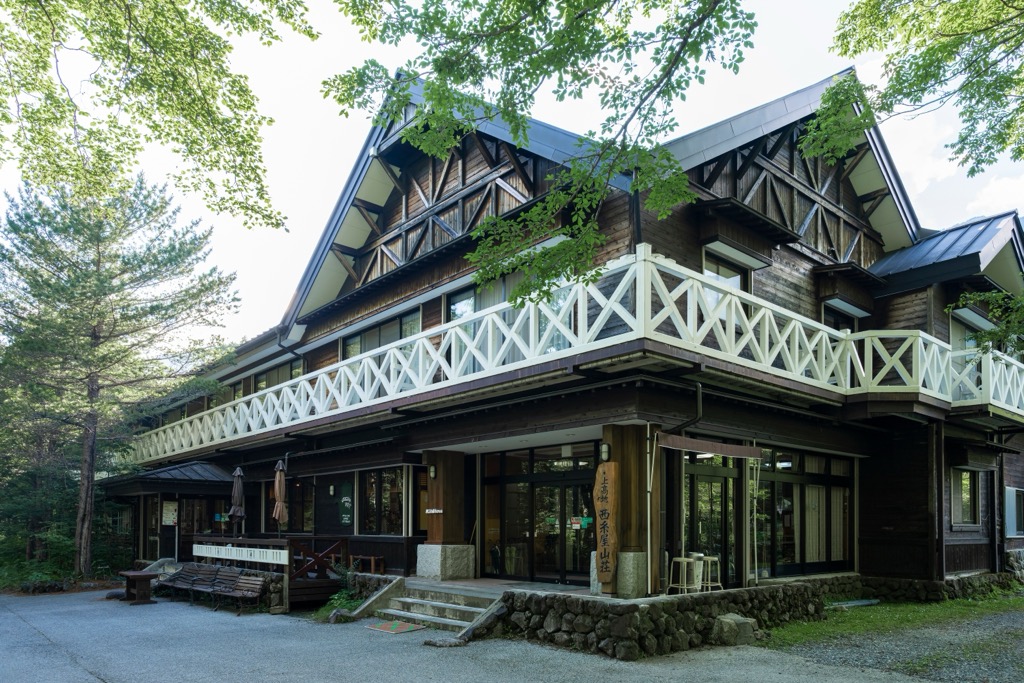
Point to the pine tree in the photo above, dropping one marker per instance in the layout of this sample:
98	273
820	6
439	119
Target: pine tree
99	300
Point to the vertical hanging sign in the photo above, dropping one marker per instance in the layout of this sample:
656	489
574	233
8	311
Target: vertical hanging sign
606	508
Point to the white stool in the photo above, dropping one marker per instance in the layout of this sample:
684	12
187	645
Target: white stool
709	580
689	575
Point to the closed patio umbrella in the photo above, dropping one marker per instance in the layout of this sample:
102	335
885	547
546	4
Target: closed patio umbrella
280	508
237	511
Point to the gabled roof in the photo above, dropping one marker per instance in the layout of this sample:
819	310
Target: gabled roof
186	477
894	218
324	275
992	247
346	230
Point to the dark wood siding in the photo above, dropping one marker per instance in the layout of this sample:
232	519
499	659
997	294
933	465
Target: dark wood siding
894	520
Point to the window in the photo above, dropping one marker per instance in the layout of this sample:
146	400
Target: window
381	335
380	502
1014	512
725	273
226	394
838	320
299	499
964	496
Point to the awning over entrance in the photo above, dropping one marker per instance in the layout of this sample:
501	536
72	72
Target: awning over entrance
184	478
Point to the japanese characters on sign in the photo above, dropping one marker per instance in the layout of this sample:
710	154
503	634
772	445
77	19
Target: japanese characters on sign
606	504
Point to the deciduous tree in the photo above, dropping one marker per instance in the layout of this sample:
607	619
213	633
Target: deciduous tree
85	84
965	53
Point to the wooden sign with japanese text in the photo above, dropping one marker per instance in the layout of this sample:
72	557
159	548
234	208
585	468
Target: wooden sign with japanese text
606	509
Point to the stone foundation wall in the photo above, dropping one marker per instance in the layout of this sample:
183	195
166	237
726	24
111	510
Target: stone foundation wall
1015	563
631	629
363	586
275	590
917	590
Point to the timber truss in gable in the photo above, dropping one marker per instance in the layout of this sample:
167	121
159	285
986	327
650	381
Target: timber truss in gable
437	201
792	197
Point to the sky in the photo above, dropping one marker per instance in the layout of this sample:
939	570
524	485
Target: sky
310	150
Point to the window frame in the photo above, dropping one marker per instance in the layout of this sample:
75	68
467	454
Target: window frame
1013	522
358	342
956	498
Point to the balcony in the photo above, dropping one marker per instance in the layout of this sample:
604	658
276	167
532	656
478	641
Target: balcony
639	297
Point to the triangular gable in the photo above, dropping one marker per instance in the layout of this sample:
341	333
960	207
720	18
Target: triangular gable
874	173
368	187
991	247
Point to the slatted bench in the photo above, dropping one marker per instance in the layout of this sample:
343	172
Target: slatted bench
245	587
206	577
181	579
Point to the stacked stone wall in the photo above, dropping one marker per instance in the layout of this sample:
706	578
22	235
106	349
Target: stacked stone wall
631	629
1015	563
363	586
917	590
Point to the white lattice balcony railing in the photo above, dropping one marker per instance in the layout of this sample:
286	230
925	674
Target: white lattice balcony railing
645	296
988	378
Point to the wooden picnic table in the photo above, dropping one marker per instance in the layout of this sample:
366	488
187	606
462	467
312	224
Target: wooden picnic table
137	587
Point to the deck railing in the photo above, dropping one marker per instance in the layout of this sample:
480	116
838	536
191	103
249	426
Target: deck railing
639	296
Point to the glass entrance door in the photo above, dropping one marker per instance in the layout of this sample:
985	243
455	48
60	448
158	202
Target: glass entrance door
563	535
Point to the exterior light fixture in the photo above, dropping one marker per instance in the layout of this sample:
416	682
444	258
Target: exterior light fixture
432	471
606	452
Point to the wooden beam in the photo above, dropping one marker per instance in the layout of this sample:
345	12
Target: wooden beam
806	222
386	250
390	173
852	246
781	140
874	205
444	226
517	165
851	165
684	443
511	190
344	262
755	150
347	251
439	189
419	190
753	188
717	171
370	220
873	195
369	206
486	153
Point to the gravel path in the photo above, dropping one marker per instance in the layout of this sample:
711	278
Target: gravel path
985	650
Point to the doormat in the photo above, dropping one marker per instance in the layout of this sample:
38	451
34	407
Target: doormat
395	626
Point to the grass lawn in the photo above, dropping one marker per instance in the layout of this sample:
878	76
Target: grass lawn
888	618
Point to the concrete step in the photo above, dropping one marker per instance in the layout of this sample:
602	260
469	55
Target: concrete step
437	609
443	623
451	595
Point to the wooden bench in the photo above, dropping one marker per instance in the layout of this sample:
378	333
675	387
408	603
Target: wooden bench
181	579
375	561
204	581
244	587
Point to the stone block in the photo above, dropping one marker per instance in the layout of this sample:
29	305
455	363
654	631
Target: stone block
445	562
631	576
733	629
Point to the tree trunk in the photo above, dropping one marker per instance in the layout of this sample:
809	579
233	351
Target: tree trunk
86	493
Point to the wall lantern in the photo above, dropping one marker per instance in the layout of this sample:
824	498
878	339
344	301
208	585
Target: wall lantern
330	490
606	452
432	471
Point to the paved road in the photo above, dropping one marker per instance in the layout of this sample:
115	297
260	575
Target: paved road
81	637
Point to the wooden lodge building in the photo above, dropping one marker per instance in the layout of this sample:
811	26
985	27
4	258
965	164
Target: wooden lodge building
773	370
